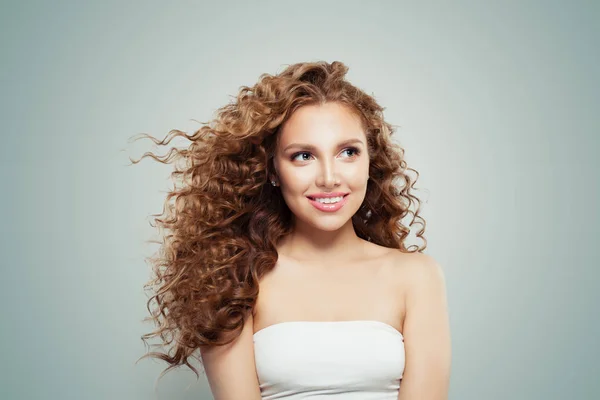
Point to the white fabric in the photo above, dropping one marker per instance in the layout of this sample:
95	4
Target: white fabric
344	360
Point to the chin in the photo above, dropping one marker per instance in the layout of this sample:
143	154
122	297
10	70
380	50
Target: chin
330	222
328	227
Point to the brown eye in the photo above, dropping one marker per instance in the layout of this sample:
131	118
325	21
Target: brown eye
355	152
298	154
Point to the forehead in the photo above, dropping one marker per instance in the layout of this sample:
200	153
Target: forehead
322	124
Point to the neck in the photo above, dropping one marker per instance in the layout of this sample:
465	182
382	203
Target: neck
306	243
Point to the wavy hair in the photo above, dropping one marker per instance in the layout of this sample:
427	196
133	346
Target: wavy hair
223	220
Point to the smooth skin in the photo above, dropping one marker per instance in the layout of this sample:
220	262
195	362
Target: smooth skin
323	264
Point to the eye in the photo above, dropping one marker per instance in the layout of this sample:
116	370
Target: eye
354	150
293	158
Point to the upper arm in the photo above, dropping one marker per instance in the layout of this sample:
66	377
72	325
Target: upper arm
231	369
426	333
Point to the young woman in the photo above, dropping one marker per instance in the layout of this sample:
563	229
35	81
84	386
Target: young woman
286	265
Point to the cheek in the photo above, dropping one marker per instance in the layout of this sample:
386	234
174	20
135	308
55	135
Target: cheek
359	174
296	179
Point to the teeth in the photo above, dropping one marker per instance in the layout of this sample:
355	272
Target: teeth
330	200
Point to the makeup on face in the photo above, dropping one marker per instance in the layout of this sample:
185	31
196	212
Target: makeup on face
328	204
323	163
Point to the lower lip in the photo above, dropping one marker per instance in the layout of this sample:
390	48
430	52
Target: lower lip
329	207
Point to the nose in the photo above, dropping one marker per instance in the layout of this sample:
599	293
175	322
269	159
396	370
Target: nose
328	177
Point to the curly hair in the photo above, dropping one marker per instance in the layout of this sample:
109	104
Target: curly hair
224	221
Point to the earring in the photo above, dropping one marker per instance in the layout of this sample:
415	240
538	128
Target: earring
273	183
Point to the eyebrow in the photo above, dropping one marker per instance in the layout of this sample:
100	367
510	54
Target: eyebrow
313	148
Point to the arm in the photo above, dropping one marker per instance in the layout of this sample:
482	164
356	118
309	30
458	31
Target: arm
426	334
231	370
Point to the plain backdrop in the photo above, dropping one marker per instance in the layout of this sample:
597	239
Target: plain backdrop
496	104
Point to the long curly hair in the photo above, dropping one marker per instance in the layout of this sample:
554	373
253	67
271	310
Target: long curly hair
223	220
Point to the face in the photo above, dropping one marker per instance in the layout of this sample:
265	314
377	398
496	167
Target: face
322	150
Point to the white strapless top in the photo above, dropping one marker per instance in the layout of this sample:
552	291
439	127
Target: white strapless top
344	360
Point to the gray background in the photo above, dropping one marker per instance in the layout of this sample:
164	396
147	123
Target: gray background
496	104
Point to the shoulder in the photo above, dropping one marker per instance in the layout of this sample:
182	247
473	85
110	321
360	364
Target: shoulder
418	270
426	328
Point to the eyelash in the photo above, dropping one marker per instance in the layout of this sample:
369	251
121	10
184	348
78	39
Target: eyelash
354	149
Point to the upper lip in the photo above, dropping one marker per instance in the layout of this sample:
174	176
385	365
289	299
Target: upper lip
326	195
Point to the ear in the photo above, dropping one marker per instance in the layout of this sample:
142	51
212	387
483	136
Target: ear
272	175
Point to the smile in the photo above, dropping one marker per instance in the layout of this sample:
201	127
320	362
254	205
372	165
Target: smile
329	200
328	204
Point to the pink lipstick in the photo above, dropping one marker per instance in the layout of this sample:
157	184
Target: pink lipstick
328	207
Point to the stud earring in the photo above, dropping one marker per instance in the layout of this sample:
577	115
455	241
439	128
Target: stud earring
273	183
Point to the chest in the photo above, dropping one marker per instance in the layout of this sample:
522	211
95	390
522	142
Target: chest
294	292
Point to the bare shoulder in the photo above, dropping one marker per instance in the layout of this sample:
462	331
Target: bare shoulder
418	275
426	329
418	268
408	269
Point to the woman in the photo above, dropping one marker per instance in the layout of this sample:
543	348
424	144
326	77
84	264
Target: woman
286	264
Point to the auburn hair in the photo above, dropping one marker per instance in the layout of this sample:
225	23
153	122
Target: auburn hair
223	218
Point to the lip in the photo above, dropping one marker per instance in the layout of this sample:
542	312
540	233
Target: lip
327	195
329	207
